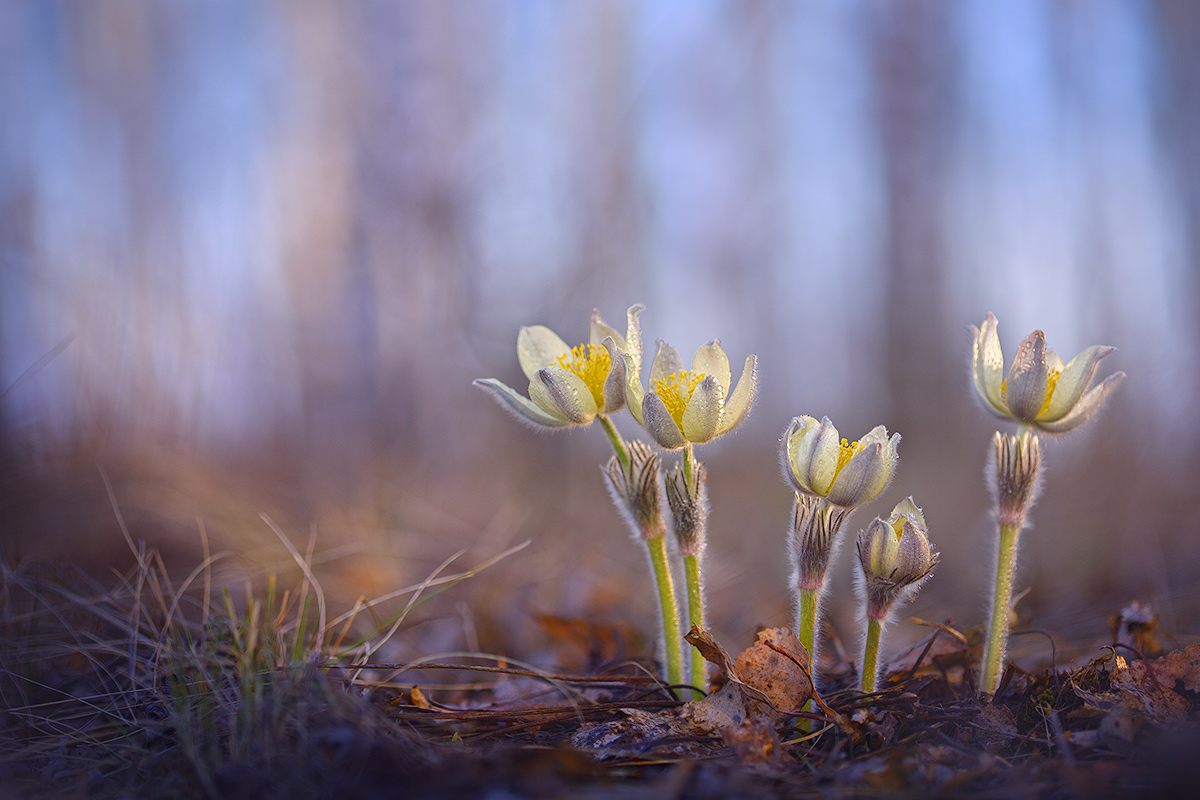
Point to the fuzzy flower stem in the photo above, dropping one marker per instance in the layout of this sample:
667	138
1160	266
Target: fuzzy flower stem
809	599
618	444
672	641
695	583
870	659
997	640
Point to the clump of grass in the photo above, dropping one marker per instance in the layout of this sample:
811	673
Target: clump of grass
173	690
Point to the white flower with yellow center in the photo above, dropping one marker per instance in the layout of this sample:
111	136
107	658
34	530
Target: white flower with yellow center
895	557
693	405
820	463
1039	390
571	385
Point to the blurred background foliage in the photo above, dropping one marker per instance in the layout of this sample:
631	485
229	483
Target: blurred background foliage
252	255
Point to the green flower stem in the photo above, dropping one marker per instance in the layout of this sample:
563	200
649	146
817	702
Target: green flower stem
695	583
808	623
618	444
672	640
695	593
997	640
870	661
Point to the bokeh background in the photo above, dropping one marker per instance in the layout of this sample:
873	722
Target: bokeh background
253	253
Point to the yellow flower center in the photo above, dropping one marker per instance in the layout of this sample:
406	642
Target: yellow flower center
1051	383
675	390
591	363
847	451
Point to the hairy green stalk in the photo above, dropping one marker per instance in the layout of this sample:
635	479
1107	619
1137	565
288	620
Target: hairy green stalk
695	583
870	660
618	444
997	640
672	642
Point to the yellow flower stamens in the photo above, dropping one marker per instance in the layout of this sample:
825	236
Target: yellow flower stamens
591	363
847	451
675	390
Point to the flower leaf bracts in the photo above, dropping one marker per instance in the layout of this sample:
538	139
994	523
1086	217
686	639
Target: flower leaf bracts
570	386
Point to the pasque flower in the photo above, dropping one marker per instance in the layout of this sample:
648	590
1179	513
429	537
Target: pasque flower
895	560
819	463
571	385
690	406
1038	390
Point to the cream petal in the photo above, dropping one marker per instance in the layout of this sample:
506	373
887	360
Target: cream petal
633	335
557	389
1053	362
1028	378
862	479
1085	408
666	362
817	457
702	414
660	425
614	383
907	508
737	404
634	391
987	365
710	359
792	437
599	331
1074	381
537	347
518	405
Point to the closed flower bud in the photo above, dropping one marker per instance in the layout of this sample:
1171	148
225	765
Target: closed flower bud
1014	476
895	558
638	492
689	510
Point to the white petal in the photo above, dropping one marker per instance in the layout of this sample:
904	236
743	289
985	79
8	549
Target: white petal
558	390
817	457
660	425
1028	378
702	414
862	479
1074	381
599	331
537	347
710	359
987	365
1084	409
737	405
518	405
666	362
633	334
614	383
907	508
634	391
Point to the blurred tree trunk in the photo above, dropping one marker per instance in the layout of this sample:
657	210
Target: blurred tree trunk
913	71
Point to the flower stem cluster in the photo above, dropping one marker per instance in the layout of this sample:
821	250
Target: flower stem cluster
573	386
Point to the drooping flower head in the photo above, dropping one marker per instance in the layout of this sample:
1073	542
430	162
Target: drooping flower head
1038	391
571	385
895	558
690	405
820	463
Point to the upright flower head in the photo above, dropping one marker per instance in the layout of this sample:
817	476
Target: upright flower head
895	558
690	405
1039	391
570	386
821	464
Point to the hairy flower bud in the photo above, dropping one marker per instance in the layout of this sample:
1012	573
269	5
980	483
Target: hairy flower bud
689	510
1014	476
638	493
895	558
813	539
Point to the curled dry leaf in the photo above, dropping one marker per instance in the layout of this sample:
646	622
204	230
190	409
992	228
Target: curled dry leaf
1148	691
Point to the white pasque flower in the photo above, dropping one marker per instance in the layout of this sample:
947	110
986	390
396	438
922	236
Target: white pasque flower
895	558
820	463
690	405
570	386
1039	391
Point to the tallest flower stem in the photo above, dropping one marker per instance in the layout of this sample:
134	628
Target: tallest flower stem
997	639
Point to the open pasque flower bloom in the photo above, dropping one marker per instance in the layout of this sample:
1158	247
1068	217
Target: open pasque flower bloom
1038	391
690	405
820	463
571	385
895	558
